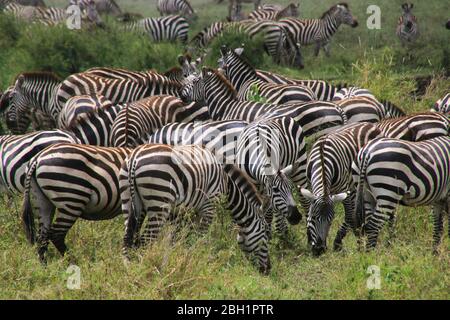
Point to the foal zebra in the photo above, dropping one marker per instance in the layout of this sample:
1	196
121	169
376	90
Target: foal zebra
182	7
319	31
323	90
329	172
219	95
391	172
407	27
80	181
137	120
17	150
443	105
243	78
157	178
32	93
290	10
116	85
169	28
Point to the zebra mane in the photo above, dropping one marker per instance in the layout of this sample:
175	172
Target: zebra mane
82	117
223	79
173	73
38	76
392	108
331	10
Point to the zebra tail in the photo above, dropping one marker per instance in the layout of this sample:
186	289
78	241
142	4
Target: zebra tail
132	215
27	209
359	212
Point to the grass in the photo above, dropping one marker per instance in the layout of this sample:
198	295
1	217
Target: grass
212	266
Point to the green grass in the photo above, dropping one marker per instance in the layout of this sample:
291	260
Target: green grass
212	266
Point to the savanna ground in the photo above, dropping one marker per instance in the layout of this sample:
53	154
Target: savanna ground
212	266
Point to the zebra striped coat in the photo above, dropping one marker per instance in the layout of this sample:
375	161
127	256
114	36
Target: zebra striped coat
137	120
352	92
290	10
319	31
80	181
391	172
243	78
181	7
169	28
157	178
314	117
329	172
443	105
103	6
17	150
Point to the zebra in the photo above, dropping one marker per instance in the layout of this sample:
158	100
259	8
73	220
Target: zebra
235	8
278	41
319	31
219	95
17	150
442	105
351	92
24	12
32	92
390	171
366	109
117	85
90	119
416	127
168	28
80	181
407	27
51	16
323	90
157	178
249	147
182	7
243	78
329	172
290	10
137	120
102	6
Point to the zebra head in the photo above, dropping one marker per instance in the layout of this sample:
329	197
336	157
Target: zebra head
188	12
11	115
342	14
231	58
193	89
92	14
320	215
407	19
278	189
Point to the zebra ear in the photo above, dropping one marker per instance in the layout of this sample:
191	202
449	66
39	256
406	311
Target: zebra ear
223	50
238	51
288	170
19	81
307	194
339	197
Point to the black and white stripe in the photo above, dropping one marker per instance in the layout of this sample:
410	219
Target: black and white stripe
291	10
320	31
137	120
352	92
79	181
219	95
390	172
329	172
181	7
103	6
17	150
157	178
244	79
407	26
443	105
168	28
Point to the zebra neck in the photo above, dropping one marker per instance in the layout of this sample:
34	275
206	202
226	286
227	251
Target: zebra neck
218	96
240	73
329	25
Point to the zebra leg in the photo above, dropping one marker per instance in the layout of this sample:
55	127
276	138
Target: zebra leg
438	225
326	49
317	48
375	222
156	218
207	214
391	229
268	216
281	227
64	221
349	207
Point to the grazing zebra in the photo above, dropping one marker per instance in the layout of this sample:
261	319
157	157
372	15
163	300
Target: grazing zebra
157	178
243	78
278	41
219	95
102	6
17	150
269	14
365	109
443	105
80	181
323	90
137	120
90	119
168	28
407	27
391	172
117	85
181	7
319	31
416	127
329	172
351	92
31	92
